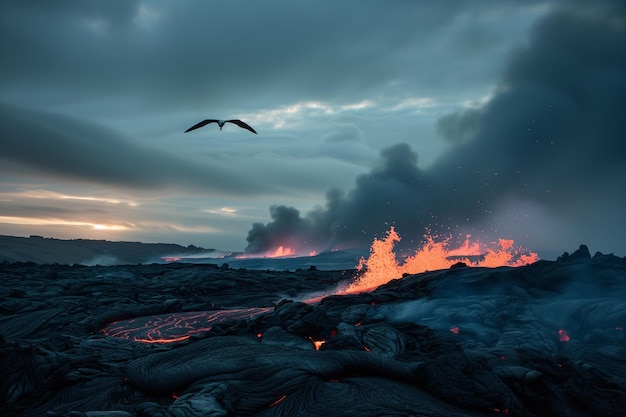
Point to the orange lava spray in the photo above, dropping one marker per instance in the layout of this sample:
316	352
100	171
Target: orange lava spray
383	266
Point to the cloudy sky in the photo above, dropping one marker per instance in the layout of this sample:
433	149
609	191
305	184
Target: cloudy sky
490	118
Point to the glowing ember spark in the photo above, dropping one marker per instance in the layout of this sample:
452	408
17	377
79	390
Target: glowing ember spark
563	336
382	265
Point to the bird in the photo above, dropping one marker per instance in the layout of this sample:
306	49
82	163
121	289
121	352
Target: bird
221	124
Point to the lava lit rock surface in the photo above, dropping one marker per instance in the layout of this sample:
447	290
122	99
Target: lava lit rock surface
544	339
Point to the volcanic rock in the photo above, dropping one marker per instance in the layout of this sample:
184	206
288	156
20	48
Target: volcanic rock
581	253
174	340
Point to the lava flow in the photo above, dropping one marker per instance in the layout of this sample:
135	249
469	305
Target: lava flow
378	269
382	264
176	327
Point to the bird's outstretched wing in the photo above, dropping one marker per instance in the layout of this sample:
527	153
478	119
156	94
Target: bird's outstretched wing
242	124
202	123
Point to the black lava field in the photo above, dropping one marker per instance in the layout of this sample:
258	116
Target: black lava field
178	340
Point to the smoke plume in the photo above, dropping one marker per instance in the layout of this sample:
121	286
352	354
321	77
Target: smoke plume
544	159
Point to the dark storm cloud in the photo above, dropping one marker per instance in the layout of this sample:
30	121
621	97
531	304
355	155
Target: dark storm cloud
551	137
61	147
554	132
166	56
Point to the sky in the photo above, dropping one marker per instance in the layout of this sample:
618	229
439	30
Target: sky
496	119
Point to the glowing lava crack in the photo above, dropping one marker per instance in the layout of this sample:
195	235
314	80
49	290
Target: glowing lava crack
176	327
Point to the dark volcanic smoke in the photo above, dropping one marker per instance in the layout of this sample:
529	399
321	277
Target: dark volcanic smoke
544	160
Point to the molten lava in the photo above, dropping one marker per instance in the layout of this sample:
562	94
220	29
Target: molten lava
382	264
282	251
317	343
278	401
176	327
279	252
171	258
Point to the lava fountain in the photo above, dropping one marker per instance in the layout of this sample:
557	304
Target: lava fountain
382	264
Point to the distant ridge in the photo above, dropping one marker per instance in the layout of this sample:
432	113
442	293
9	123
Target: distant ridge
43	250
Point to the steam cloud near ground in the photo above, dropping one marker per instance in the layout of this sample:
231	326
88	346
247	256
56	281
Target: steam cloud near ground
543	161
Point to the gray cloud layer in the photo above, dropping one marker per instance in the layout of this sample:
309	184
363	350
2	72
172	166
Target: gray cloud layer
550	141
168	57
69	149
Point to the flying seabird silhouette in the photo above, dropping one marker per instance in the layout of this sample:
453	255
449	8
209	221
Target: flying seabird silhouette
221	124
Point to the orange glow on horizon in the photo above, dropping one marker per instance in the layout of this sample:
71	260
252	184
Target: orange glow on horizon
283	251
383	266
109	227
38	221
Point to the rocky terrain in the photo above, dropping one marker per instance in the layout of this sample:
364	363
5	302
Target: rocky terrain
174	340
89	252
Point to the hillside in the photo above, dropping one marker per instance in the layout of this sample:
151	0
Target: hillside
88	252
